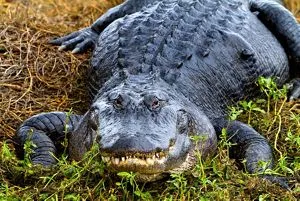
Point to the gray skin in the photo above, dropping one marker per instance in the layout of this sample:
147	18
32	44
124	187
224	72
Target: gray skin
164	71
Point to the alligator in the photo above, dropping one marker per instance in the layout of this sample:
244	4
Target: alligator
163	72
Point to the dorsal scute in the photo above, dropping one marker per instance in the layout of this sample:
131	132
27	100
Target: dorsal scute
163	35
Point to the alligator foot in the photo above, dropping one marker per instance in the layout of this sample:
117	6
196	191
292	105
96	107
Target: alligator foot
44	130
294	89
78	41
249	145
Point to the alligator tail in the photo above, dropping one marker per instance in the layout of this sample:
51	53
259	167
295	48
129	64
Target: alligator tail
283	25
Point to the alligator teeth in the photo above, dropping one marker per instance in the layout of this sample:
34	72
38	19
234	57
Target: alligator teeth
161	160
150	161
158	157
105	159
117	160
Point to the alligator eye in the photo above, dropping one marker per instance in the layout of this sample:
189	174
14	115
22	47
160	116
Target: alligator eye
118	102
155	103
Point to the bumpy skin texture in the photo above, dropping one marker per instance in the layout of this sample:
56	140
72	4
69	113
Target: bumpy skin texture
44	130
165	70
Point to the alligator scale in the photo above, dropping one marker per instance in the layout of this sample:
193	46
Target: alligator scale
165	70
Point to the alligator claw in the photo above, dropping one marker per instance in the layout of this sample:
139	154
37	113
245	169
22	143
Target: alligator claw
76	50
83	46
60	40
78	41
62	47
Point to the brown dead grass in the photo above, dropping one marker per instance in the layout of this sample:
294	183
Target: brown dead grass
294	6
35	77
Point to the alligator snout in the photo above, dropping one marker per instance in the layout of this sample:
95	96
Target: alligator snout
135	144
137	152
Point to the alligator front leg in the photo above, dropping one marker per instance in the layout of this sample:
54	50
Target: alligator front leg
43	130
250	146
83	39
282	24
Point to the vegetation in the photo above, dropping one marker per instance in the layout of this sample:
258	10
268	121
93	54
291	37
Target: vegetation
35	78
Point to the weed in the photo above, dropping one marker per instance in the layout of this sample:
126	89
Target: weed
128	178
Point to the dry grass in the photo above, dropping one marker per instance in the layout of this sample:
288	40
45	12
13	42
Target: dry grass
294	6
34	76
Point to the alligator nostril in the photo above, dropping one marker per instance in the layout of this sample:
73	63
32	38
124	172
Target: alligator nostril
155	103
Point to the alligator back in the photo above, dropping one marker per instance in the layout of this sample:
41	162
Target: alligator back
210	51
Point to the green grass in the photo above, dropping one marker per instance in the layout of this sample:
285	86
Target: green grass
217	178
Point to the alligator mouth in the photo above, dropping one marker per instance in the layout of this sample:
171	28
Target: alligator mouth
147	163
138	158
148	167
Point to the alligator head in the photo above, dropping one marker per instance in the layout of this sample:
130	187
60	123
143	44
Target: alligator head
144	126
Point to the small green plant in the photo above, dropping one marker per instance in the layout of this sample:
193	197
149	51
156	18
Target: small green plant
178	184
234	113
250	106
65	142
28	149
199	167
6	153
269	87
128	178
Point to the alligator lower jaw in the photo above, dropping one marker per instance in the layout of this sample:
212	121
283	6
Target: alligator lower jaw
149	170
146	170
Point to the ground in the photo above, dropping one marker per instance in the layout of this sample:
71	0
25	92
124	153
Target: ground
36	77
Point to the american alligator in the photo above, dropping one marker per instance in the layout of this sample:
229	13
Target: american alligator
163	71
